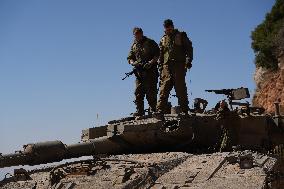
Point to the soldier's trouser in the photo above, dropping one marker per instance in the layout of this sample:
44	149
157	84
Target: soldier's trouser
173	75
146	85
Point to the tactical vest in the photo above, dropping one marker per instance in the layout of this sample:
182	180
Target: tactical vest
143	50
173	49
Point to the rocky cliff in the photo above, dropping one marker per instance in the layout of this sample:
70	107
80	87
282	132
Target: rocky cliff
268	45
270	86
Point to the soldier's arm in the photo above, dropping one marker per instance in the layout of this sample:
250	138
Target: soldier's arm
131	58
156	52
188	46
161	57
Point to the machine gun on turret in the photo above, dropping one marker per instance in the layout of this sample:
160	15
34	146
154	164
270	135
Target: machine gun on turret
238	94
234	94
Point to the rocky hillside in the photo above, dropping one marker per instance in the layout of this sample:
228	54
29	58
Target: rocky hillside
270	87
268	45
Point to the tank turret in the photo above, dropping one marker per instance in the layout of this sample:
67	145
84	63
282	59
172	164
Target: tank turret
204	131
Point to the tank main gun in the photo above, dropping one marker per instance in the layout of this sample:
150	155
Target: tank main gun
45	152
129	137
54	151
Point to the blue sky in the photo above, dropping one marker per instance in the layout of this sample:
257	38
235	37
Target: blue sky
61	62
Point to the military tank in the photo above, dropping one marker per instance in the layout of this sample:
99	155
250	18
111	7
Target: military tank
230	142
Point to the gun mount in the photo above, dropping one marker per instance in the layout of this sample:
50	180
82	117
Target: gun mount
234	95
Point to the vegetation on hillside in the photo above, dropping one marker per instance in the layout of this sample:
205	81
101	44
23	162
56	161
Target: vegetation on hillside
268	37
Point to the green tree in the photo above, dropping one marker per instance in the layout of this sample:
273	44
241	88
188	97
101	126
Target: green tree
266	35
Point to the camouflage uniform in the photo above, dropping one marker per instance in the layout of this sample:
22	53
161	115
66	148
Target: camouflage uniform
174	49
146	84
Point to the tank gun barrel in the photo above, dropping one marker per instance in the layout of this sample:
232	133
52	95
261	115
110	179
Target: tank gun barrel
130	137
54	151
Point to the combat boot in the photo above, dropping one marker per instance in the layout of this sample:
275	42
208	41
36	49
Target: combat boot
138	115
183	115
159	116
135	114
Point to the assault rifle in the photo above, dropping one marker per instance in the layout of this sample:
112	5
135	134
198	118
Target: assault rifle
136	70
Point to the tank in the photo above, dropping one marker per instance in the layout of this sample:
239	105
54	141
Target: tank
195	150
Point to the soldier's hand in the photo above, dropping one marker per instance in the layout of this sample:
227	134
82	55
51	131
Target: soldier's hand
135	64
148	65
188	64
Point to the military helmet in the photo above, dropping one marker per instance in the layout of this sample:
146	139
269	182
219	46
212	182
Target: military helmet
168	22
137	29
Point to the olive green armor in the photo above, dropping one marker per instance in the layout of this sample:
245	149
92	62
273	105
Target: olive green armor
174	50
146	85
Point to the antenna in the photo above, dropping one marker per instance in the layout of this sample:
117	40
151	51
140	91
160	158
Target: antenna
97	120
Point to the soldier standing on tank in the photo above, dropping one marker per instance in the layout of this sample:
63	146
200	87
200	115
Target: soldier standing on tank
143	56
176	54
